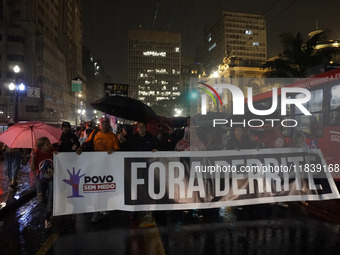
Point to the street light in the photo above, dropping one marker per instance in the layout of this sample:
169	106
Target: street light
17	88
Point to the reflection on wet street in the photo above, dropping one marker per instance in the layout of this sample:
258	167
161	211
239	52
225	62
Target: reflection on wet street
257	229
240	231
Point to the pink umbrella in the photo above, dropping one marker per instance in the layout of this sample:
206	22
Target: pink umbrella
24	134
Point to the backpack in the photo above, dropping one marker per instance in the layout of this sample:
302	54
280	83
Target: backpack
89	145
46	169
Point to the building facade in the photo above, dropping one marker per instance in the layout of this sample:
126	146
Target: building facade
238	35
154	65
44	38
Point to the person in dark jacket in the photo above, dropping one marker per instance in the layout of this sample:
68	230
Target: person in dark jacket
69	142
142	141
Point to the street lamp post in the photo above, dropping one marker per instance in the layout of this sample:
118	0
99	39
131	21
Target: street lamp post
17	88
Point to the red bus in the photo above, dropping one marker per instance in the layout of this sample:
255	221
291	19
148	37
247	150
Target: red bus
322	128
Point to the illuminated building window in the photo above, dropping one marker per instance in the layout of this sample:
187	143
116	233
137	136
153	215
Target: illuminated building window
256	44
164	82
154	53
161	70
143	93
174	88
147	82
141	75
177	49
249	32
164	88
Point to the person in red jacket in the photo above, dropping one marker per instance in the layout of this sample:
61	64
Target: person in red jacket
42	166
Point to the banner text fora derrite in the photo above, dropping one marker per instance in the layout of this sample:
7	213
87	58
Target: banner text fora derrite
211	178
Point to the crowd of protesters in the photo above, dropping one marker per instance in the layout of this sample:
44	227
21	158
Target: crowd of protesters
135	138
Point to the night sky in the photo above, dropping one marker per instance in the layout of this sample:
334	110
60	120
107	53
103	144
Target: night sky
106	23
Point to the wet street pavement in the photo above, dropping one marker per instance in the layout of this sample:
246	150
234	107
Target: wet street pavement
26	188
257	229
260	229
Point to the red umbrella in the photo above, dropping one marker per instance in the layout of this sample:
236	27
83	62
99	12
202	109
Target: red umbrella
24	134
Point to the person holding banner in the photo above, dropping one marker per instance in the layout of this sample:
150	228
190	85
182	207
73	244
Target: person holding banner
300	140
190	141
273	138
142	141
42	166
102	140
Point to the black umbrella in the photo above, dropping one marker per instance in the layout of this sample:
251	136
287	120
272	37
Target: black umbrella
126	108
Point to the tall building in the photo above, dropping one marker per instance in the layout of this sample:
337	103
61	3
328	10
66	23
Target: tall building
154	65
95	80
237	35
44	38
331	45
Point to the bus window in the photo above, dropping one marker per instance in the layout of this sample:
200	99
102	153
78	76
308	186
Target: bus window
314	104
311	125
334	113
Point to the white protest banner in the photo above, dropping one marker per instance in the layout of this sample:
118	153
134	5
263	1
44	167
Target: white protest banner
134	181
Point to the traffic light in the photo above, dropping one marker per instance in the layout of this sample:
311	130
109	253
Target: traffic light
193	94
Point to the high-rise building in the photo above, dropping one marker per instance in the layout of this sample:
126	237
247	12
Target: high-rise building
154	65
44	38
238	35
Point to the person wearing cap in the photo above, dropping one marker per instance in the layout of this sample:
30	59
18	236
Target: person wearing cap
68	141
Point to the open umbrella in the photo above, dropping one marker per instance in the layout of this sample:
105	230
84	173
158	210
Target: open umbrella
24	134
126	108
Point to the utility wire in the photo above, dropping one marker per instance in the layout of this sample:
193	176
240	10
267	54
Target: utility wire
272	20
